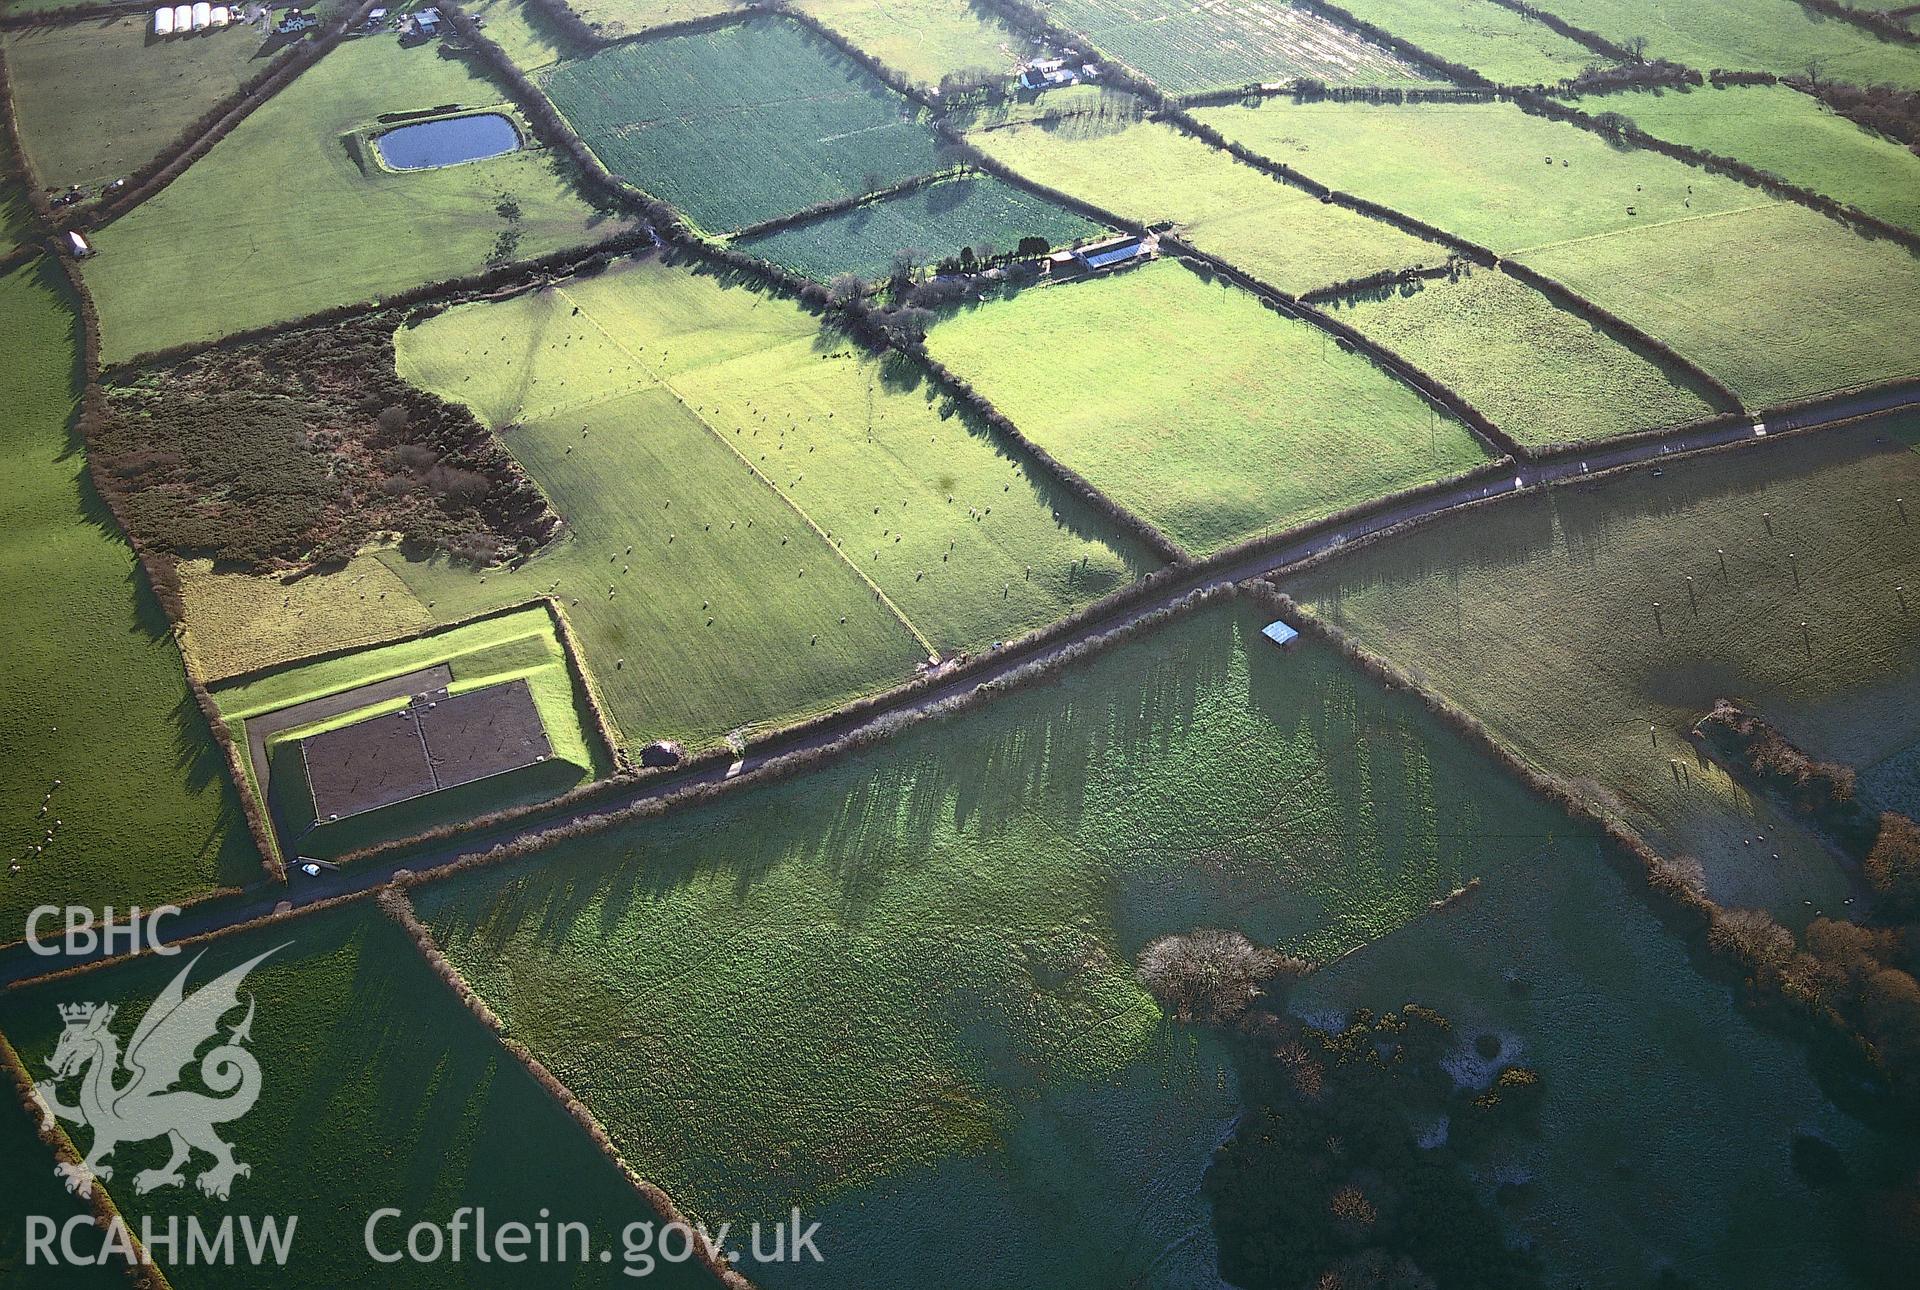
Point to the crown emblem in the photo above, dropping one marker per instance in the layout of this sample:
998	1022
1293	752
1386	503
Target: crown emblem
77	1014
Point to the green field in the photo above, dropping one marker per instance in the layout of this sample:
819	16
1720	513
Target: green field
772	481
1487	172
206	257
932	223
96	100
1185	47
1149	172
1507	48
1666	1128
143	810
32	1189
1193	405
378	1090
922	40
743	123
907	980
1778	36
1801	305
530	40
1575	575
1543	375
1774	299
1790	134
518	646
616	18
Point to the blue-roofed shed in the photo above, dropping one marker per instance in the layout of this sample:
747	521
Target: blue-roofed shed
1279	633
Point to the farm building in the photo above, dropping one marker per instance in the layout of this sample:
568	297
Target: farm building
1053	73
1280	633
438	741
222	15
1108	253
163	21
182	19
203	15
295	22
78	245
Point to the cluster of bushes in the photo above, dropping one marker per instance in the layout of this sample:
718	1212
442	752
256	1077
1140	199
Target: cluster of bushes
1380	282
301	448
1209	976
1656	73
1355	1162
1821	789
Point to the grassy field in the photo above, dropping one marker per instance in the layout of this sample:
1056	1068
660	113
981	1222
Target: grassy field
1774	299
238	622
520	646
1791	134
378	1090
1505	47
615	18
1193	405
33	1190
1778	36
903	988
743	123
1604	688
528	38
1185	48
1485	171
922	40
206	257
95	100
1666	1127
1801	305
753	452
142	813
1149	172
983	213
1543	375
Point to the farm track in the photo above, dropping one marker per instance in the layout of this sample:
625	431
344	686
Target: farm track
18	963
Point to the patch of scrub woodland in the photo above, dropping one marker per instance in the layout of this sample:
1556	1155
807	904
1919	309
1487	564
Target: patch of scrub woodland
704	442
1150	172
377	1089
1539	372
907	975
141	812
1669	1122
1539	616
1189	402
205	257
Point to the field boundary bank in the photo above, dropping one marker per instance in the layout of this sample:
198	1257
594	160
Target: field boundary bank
1631	334
393	901
219	121
1852	217
1679	906
141	1272
873	719
1884	25
1592	40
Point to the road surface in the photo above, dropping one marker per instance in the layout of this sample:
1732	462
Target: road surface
19	963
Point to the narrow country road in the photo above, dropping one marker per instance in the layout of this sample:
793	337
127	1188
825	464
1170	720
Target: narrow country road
19	962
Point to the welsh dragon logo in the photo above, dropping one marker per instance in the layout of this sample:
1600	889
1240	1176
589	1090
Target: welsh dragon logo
148	1103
